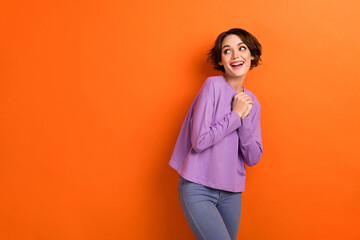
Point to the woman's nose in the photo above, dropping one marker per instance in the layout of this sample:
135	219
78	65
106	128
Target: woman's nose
235	55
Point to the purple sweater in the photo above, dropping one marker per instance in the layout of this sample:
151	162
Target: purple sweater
214	142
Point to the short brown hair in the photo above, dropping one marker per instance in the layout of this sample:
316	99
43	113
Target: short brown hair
214	55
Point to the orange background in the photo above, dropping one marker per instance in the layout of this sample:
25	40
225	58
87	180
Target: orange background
93	95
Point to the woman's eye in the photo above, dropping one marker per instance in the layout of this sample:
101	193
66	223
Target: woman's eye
226	51
242	48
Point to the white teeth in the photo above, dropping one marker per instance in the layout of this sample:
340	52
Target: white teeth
237	64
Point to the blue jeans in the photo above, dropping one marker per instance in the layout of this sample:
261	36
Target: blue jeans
211	213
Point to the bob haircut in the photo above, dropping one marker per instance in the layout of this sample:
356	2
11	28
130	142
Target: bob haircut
214	55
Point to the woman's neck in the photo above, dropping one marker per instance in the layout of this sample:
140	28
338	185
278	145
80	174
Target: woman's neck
236	83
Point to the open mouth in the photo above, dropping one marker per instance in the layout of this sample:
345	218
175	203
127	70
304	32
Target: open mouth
237	64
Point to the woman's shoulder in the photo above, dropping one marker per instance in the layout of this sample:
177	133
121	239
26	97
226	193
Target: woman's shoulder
210	84
214	82
250	93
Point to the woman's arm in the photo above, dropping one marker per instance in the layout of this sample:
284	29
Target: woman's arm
250	142
204	133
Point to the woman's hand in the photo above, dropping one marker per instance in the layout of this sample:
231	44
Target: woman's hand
242	104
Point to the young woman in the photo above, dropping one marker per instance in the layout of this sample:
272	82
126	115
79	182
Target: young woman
221	133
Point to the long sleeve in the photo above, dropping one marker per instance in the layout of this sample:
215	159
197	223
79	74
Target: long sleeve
205	133
250	142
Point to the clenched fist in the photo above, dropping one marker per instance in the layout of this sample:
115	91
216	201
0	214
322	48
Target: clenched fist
242	104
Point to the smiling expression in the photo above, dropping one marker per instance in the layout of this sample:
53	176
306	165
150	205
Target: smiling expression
235	57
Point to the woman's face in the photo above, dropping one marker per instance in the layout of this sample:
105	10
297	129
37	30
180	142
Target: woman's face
235	57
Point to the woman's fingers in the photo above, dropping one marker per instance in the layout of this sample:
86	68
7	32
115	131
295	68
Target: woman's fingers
242	104
249	101
249	107
244	97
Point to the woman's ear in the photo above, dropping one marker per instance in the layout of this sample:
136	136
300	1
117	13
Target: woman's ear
220	63
252	57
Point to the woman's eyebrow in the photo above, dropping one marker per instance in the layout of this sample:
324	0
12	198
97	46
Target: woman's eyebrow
229	45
